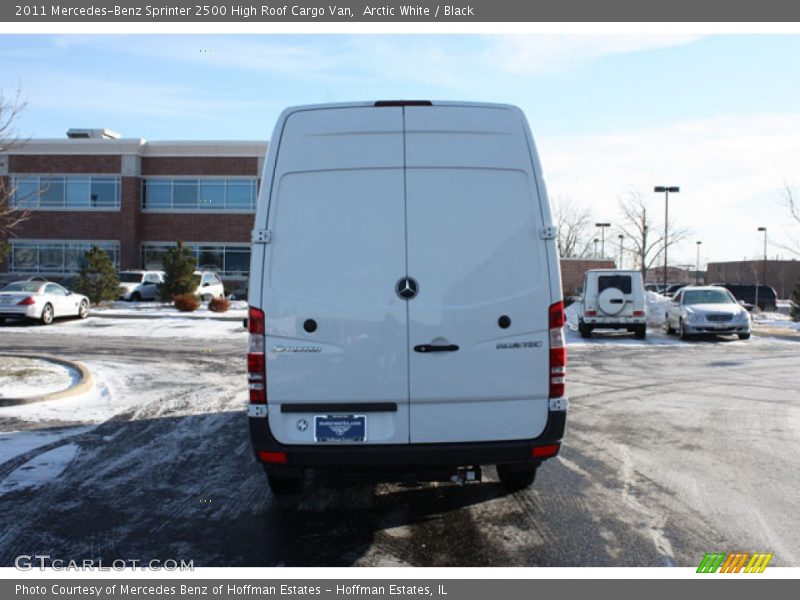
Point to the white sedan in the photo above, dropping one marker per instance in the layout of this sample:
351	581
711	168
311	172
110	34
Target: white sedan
706	309
42	301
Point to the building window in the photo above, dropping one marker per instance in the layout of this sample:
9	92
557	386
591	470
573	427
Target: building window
198	195
66	192
46	256
228	260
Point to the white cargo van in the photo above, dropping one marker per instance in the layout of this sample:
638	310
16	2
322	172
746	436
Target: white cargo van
613	299
405	298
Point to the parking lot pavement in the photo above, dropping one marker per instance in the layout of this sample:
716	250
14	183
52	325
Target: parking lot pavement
672	450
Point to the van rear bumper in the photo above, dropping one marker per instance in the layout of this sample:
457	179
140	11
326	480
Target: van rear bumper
407	455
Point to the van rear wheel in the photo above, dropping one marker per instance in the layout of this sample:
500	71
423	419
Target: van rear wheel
585	330
516	477
640	332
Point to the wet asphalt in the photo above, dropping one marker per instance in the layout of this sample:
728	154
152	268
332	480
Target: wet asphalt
671	451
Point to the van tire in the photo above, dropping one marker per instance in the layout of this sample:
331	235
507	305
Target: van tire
585	330
640	332
515	477
743	336
283	485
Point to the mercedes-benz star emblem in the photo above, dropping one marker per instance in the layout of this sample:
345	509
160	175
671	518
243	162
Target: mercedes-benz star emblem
407	288
302	424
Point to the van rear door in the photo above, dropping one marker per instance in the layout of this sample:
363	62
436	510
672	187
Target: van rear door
336	335
473	218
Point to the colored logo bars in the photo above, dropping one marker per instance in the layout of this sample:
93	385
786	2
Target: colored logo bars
735	562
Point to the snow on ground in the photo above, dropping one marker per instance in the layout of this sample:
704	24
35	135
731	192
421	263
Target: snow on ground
14	443
775	320
237	309
40	469
25	377
172	326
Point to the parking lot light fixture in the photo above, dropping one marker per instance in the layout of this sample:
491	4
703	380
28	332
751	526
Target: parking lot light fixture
621	237
697	266
666	189
764	267
602	227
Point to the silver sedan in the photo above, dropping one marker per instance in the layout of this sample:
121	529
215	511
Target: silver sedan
42	301
706	310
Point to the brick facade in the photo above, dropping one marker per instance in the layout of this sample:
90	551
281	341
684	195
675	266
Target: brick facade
132	160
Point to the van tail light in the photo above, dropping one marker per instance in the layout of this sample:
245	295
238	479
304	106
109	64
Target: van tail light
547	451
638	313
558	350
590	313
256	364
26	301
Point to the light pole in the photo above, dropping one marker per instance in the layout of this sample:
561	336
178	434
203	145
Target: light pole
764	274
666	189
697	266
764	270
595	246
621	237
602	227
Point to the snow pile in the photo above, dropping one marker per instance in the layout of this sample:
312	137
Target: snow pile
571	315
656	308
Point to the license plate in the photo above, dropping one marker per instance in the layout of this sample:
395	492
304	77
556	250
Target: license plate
6	300
340	428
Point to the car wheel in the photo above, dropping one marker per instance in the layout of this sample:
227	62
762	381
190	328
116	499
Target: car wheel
743	336
516	477
585	330
683	334
47	315
667	326
641	332
283	486
83	309
136	297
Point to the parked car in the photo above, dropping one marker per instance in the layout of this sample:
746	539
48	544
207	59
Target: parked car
706	309
240	293
137	285
210	286
613	299
653	287
40	300
672	289
767	297
409	321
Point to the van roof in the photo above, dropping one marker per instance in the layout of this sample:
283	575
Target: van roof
389	103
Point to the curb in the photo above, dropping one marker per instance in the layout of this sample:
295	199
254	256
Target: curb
84	384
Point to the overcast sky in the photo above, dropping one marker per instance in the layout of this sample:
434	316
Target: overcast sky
717	115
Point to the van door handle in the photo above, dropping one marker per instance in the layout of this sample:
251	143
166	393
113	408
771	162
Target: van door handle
434	348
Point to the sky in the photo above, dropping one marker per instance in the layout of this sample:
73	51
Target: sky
612	114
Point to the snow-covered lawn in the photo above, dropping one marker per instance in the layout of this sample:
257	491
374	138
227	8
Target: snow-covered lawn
174	325
26	377
237	310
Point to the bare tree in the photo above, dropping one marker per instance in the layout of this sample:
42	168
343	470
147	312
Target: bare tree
791	200
10	215
645	234
574	224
